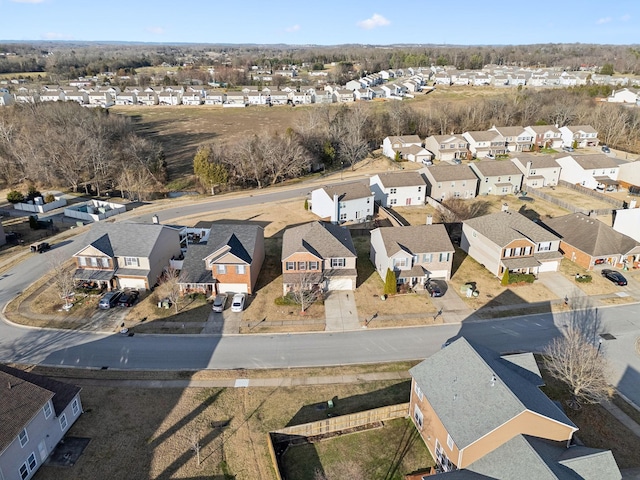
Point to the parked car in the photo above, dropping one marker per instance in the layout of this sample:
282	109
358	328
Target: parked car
615	277
237	304
605	149
127	299
433	288
427	162
109	299
490	156
220	302
568	149
40	247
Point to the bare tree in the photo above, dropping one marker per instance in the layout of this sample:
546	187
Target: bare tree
576	361
170	285
194	440
63	279
304	287
455	209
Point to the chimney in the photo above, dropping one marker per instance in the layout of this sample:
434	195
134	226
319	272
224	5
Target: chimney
336	208
505	207
429	219
155	219
9	384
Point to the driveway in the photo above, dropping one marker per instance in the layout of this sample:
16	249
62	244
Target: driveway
341	313
560	285
225	322
451	308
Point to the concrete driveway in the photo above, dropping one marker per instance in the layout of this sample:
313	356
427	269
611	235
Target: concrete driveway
451	308
341	313
560	285
226	322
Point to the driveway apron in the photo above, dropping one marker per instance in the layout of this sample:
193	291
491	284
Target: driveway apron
222	323
341	313
451	308
561	285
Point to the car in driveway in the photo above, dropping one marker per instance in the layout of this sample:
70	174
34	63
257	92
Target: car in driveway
605	149
614	276
109	299
220	302
237	303
434	289
127	299
568	149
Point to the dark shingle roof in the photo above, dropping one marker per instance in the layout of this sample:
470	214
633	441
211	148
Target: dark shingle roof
537	161
593	161
416	239
28	394
494	168
590	235
323	240
447	173
473	391
401	179
348	191
504	227
125	239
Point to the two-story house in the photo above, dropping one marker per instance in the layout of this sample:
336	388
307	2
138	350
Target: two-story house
447	148
407	147
398	188
227	259
482	415
320	256
580	136
516	139
545	136
596	171
508	240
126	255
497	177
450	181
414	253
538	170
345	202
485	143
35	414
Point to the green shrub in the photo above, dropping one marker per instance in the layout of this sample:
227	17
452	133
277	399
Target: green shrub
306	204
49	198
505	278
521	278
285	301
15	196
583	278
390	287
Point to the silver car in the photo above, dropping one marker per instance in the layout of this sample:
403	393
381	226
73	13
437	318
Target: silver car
220	302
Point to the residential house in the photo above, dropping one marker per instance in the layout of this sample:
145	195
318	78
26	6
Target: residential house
363	94
127	98
345	202
323	96
448	147
343	95
624	95
126	255
482	415
236	99
516	139
35	413
256	98
80	96
215	98
538	170
629	174
450	181
497	177
545	136
399	188
147	98
595	171
485	143
301	98
101	98
625	221
320	256
52	96
442	78
228	259
508	240
170	97
6	98
591	243
414	253
579	136
278	98
407	147
193	97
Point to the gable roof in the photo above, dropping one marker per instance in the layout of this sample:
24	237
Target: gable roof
28	394
321	239
473	390
540	129
483	135
590	236
400	179
348	191
125	239
504	227
509	131
593	161
415	239
405	139
447	173
581	128
537	161
494	168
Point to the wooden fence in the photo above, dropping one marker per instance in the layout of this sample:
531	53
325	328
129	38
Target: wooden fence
618	204
566	205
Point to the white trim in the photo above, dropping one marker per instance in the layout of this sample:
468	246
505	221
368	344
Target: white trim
66	423
26	437
44	409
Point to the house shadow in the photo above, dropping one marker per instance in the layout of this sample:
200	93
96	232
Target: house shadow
629	383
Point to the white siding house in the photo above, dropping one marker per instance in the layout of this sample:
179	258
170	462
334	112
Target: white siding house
399	188
346	202
596	171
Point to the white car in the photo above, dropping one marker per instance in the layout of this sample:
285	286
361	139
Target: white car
237	304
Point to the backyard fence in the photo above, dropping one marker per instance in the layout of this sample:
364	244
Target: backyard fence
566	205
618	204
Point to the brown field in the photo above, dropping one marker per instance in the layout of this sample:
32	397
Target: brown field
576	198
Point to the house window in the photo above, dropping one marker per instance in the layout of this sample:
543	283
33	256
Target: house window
400	262
32	461
456	194
449	442
338	262
439	185
63	422
444	257
94	261
527	250
313	265
302	265
418	416
75	407
464	183
343	216
393	191
368	200
532	172
222	269
418	390
419	189
544	247
82	261
393	201
131	262
24	471
240	269
426	258
23	437
486	180
47	410
105	262
517	252
291	265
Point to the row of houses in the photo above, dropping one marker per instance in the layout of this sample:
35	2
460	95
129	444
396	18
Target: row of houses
488	143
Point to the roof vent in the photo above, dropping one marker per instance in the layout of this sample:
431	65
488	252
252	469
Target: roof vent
9	384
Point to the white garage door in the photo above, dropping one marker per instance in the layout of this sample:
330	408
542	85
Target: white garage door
438	274
232	288
137	283
340	284
548	266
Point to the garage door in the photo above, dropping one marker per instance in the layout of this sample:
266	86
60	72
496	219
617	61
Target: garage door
340	284
137	283
438	274
548	266
232	288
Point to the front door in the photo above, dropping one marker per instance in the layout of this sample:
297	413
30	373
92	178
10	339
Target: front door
42	449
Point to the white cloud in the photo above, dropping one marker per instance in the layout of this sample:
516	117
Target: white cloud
625	18
56	36
294	28
602	21
156	30
375	21
27	1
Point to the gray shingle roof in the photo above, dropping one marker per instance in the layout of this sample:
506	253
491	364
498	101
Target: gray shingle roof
324	240
125	239
447	173
590	235
593	161
348	191
494	168
473	391
537	161
416	239
484	135
504	227
401	179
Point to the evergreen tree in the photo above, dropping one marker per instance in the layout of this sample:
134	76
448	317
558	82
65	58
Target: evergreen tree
390	283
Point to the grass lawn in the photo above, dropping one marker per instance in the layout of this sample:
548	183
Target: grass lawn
576	198
146	433
598	284
389	452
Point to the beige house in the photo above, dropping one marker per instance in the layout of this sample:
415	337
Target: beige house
482	415
497	177
450	181
448	148
538	170
545	136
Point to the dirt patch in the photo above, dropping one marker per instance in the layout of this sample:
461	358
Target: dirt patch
598	284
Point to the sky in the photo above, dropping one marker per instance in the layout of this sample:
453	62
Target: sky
325	22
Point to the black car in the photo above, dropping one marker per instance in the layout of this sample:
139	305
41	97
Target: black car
433	289
606	149
615	277
128	298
